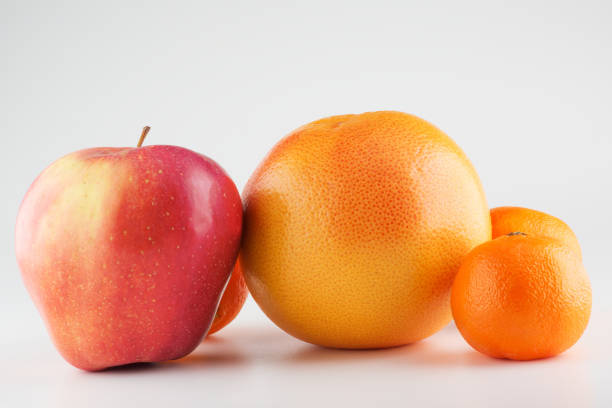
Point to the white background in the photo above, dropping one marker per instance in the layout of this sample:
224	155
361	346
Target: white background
525	87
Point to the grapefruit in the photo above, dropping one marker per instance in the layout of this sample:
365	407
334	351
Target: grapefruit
355	227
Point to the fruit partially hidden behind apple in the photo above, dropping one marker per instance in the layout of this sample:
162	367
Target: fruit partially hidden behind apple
126	251
233	299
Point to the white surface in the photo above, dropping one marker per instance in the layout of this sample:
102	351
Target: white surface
523	87
257	364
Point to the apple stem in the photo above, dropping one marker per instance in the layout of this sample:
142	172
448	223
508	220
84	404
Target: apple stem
145	130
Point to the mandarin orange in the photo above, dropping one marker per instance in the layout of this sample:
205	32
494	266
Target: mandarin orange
521	297
355	227
231	303
505	220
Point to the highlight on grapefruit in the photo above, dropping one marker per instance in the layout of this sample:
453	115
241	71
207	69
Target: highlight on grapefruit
355	227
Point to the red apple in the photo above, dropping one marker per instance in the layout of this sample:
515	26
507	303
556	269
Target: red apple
126	251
